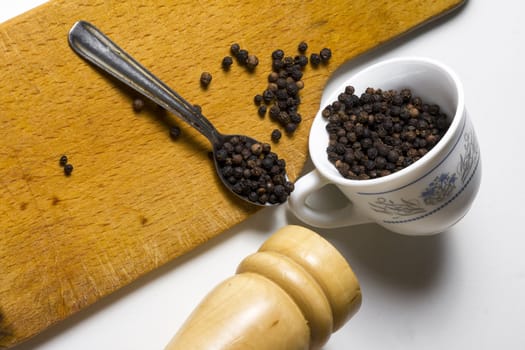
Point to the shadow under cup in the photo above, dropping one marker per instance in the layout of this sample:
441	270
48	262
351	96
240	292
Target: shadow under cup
426	197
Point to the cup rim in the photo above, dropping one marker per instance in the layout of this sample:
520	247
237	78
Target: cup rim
447	138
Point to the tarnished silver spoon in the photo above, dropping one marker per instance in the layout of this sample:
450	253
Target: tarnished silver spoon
246	166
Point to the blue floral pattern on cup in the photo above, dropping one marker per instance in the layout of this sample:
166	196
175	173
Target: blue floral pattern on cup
438	193
439	189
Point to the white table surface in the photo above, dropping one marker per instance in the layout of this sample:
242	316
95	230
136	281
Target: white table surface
461	289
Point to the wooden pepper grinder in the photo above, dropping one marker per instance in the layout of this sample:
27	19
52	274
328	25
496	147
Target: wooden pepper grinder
293	293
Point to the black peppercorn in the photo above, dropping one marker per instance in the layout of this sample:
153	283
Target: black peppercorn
325	54
268	96
174	132
274	112
315	59
63	160
295	117
302	47
252	61
234	49
272	86
296	74
281	94
257	99
276	135
227	61
301	60
68	169
242	56
273	77
277	65
281	83
278	54
262	110
283	118
288	61
392	156
291	88
205	79
221	155
138	104
282	104
290	127
349	90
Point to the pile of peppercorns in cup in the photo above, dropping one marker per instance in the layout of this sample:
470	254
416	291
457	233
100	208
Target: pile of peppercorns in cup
381	131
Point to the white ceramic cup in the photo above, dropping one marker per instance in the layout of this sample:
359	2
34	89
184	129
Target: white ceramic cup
428	196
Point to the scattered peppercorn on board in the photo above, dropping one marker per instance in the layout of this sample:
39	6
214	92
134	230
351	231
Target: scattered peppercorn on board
137	199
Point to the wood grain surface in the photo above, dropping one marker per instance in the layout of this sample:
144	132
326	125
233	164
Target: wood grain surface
137	199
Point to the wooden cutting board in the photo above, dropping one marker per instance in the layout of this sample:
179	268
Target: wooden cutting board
136	198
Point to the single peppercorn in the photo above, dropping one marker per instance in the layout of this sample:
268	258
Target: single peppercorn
234	49
325	54
276	135
272	87
262	110
281	94
226	63
349	90
301	60
257	99
292	89
288	62
138	104
277	65
252	61
68	169
315	59
205	79
274	111
242	56
268	96
273	77
302	47
63	160
174	132
278	54
296	74
290	127
197	109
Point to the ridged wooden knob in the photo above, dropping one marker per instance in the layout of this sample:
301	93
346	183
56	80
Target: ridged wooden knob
293	293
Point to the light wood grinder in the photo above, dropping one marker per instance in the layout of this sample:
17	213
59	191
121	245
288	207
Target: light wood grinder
293	293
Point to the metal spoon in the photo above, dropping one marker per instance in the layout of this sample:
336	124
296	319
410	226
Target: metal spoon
94	46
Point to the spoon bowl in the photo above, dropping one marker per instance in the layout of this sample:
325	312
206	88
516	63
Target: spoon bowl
246	166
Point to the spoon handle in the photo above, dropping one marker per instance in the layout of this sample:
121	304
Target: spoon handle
94	46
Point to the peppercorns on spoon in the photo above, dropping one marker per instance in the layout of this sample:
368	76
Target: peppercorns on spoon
246	166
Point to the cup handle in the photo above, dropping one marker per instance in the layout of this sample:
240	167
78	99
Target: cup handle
340	217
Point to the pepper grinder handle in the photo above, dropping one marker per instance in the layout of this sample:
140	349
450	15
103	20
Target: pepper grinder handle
293	293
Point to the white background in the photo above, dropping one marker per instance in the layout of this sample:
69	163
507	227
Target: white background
462	289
